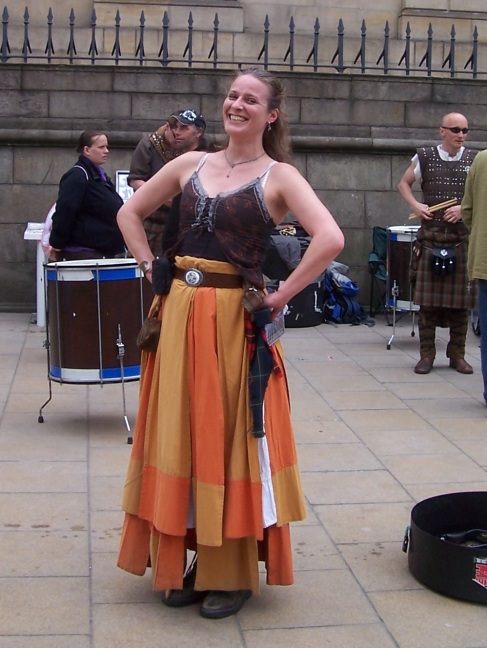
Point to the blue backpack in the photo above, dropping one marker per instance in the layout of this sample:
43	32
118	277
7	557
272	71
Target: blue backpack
341	305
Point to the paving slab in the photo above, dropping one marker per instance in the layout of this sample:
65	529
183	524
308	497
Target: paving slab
373	439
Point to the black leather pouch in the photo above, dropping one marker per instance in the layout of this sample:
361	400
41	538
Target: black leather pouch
443	261
162	271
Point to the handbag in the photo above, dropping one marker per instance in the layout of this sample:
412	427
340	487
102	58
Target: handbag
443	261
150	332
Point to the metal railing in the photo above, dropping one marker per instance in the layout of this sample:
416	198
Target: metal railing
364	61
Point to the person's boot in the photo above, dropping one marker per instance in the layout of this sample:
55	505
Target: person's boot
424	366
455	349
461	365
186	596
427	334
219	605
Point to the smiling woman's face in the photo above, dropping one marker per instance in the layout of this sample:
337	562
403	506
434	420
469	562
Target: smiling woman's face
246	106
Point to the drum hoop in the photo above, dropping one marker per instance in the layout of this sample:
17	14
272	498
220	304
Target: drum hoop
96	269
92	263
403	229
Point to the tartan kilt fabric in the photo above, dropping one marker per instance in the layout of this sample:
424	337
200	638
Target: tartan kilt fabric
154	229
430	290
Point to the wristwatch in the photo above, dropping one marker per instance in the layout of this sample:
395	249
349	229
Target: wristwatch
144	267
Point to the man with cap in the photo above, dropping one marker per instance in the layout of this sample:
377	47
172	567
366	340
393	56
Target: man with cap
183	131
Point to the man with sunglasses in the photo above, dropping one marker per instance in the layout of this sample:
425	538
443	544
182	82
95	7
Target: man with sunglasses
183	132
442	290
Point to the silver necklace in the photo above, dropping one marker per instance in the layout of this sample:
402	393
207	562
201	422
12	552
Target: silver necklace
232	165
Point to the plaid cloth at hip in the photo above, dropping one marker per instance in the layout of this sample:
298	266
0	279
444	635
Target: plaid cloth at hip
261	364
430	290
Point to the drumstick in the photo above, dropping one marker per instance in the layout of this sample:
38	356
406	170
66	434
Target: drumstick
443	205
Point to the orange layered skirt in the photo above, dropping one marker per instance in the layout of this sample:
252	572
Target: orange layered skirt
197	478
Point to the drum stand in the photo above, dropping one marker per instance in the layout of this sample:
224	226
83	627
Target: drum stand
120	356
395	293
121	353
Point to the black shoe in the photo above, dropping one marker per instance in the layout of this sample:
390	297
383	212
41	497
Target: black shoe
186	596
219	605
424	366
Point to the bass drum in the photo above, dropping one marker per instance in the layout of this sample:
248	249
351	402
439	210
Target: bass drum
400	241
95	309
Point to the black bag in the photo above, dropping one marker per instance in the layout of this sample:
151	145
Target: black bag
284	254
306	308
443	261
161	275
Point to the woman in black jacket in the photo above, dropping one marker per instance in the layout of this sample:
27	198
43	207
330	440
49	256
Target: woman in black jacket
84	225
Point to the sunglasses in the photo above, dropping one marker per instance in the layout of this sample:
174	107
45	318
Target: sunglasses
456	129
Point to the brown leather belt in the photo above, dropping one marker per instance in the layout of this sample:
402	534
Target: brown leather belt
195	278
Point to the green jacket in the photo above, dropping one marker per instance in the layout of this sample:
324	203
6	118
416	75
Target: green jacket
474	214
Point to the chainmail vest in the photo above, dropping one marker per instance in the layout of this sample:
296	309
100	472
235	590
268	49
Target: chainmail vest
443	180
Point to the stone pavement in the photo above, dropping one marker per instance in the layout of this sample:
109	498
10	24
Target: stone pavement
373	439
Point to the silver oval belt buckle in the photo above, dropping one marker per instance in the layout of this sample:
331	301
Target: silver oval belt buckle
193	277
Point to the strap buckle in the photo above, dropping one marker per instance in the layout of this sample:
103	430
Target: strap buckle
193	277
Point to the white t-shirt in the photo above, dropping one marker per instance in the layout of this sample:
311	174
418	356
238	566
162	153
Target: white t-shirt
444	155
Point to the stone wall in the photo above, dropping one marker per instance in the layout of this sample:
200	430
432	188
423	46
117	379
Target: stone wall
241	32
353	137
249	15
